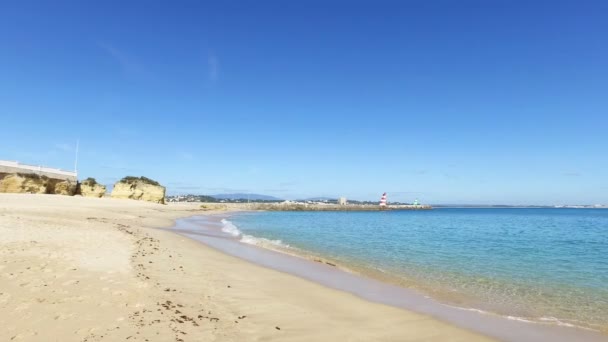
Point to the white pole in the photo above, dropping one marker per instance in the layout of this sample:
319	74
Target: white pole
76	159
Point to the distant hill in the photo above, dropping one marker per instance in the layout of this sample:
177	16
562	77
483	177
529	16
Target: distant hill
254	197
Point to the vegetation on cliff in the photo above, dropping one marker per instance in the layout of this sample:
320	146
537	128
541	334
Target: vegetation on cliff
142	179
90	181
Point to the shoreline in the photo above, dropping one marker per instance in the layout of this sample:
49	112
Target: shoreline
458	301
83	269
494	325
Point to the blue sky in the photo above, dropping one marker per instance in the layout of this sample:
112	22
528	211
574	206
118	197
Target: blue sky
445	101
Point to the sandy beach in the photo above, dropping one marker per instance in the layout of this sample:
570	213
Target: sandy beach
83	269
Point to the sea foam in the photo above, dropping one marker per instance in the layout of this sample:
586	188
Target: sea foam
229	228
262	242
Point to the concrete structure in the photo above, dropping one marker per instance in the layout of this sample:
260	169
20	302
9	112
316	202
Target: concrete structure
15	167
342	201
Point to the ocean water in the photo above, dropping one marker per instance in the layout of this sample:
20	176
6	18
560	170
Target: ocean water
546	266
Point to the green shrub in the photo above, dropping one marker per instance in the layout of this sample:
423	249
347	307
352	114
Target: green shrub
90	182
145	180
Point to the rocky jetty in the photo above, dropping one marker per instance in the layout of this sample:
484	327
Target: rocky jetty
141	188
90	188
35	184
286	206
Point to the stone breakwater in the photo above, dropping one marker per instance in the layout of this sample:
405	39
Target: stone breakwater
330	207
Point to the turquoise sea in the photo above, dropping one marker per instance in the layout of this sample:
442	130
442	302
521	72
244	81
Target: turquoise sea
540	265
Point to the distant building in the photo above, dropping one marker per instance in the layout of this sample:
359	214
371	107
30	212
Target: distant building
342	201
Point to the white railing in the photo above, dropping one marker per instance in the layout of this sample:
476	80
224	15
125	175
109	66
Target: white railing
18	165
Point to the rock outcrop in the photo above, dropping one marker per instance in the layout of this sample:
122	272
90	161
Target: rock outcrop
15	183
142	188
65	188
35	184
90	188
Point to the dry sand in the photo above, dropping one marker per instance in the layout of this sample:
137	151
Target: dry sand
85	269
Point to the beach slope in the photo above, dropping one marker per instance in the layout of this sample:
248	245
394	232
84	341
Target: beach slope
95	269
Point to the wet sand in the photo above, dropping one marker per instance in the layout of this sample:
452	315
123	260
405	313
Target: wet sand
85	269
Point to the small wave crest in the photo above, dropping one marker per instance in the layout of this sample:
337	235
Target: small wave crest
229	228
262	242
540	320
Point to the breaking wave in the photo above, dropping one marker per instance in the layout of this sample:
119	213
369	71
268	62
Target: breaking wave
262	242
230	228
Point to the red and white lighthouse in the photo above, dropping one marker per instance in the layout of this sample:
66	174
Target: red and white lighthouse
383	200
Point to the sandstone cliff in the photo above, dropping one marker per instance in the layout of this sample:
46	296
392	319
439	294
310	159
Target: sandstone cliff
141	188
90	188
14	183
64	188
34	184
